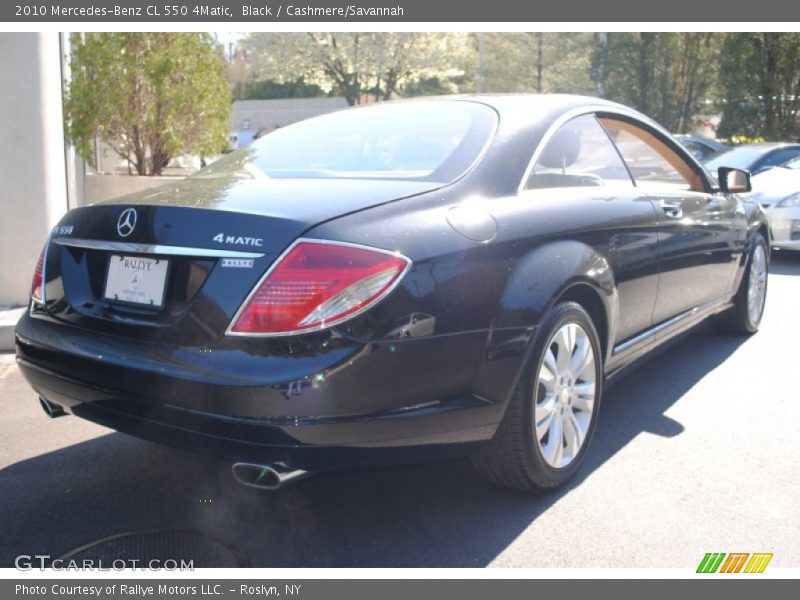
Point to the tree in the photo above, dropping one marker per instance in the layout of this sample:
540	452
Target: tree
268	89
361	67
667	76
536	62
760	81
149	96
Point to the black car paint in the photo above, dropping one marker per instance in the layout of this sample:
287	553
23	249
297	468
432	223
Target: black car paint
356	394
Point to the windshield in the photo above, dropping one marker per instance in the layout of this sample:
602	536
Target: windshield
738	158
424	141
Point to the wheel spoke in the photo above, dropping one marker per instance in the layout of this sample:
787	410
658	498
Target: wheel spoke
582	356
565	342
581	426
548	374
554	451
543	415
571	435
584	396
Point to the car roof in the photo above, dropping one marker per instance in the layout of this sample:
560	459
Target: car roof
532	106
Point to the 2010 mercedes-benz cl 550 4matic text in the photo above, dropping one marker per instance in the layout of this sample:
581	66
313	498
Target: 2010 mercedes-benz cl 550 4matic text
401	282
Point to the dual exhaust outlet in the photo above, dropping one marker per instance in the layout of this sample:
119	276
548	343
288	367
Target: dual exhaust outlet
266	477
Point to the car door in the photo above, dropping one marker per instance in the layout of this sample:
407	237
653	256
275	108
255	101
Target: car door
700	233
580	185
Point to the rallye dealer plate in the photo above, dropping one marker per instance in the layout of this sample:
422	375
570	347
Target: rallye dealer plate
136	280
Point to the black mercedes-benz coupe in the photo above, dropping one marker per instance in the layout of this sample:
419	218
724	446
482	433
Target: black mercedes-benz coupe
401	282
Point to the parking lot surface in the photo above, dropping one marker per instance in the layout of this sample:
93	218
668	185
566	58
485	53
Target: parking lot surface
695	452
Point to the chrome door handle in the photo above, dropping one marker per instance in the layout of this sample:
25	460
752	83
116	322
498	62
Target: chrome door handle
673	210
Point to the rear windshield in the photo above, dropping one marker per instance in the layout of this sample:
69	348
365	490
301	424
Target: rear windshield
424	141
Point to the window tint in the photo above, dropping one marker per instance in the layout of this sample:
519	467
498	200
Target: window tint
652	163
579	154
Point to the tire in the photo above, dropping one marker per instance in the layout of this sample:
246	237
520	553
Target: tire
517	456
740	319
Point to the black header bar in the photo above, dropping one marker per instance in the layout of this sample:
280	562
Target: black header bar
715	12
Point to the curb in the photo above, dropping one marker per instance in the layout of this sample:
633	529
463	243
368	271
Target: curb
8	321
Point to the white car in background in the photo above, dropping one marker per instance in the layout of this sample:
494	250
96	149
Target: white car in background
777	190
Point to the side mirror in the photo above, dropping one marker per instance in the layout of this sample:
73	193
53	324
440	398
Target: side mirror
734	181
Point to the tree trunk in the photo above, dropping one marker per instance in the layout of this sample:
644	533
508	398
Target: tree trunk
645	70
539	66
141	162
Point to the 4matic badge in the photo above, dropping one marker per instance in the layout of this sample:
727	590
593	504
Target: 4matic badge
222	238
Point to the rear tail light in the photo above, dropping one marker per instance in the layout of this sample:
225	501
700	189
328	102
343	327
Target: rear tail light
37	285
317	285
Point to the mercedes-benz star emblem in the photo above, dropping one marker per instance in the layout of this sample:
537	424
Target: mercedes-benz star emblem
126	222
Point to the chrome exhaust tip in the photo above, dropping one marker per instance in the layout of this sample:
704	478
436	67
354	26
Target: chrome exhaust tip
52	410
265	477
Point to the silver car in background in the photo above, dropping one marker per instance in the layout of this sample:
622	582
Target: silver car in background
777	190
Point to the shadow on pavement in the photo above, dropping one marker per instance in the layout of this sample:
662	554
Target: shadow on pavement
785	262
435	515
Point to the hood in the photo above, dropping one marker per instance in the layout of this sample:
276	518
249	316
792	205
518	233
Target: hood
774	185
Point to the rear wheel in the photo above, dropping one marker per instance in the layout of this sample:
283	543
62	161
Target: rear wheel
748	305
549	424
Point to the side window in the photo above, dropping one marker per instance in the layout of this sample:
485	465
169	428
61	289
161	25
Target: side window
579	154
696	149
652	162
779	157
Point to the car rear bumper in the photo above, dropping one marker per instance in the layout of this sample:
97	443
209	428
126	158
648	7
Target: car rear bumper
323	411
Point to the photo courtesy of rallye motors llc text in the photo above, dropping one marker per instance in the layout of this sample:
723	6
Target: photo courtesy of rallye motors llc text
144	591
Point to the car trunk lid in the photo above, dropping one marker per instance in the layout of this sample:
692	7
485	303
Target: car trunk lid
203	244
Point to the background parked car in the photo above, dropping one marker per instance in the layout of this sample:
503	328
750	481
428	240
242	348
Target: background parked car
778	191
701	148
754	157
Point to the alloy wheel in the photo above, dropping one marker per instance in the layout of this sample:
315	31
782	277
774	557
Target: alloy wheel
757	285
565	395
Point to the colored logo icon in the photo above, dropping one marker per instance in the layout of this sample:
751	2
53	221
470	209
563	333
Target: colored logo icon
734	562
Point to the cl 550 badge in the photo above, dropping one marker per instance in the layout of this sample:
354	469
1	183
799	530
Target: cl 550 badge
222	238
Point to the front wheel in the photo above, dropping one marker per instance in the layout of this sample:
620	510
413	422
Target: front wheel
748	304
547	429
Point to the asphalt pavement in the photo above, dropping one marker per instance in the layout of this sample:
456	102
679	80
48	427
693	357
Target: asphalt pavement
696	451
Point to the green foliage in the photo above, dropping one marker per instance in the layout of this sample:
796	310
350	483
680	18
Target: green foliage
149	96
271	89
738	140
667	76
432	86
360	66
678	79
760	82
533	62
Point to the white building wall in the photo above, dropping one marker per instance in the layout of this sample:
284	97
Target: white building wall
32	161
255	115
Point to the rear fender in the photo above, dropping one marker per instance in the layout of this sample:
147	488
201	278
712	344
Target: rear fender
538	281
